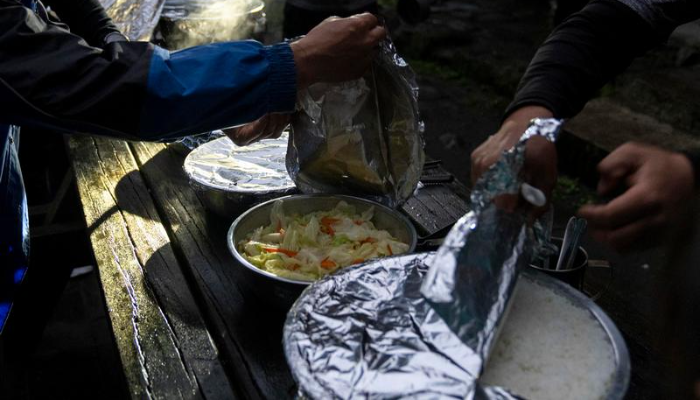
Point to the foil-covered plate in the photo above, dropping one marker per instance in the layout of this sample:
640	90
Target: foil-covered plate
230	179
367	332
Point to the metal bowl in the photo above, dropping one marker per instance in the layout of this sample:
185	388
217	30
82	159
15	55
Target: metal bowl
621	377
282	292
230	179
382	299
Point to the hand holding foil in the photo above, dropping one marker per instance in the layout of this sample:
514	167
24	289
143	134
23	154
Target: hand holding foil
473	274
361	137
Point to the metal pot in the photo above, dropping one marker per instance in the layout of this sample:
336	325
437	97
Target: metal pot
186	23
282	292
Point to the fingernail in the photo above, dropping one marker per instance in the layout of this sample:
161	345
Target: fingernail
533	195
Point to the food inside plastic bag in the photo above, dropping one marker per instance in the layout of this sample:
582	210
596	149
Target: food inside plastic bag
362	137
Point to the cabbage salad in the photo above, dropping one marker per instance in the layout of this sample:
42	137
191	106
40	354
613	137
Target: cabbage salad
311	246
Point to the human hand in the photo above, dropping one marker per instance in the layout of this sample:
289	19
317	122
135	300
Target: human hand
659	186
270	126
337	49
540	167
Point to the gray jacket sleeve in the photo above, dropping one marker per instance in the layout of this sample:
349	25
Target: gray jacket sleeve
593	46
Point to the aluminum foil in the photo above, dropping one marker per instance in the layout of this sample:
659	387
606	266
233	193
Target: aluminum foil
475	270
187	23
136	19
194	141
362	137
257	168
394	328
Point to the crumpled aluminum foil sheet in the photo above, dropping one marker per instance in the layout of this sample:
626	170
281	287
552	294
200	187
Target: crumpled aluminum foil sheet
136	19
257	168
362	137
394	329
203	9
470	259
194	141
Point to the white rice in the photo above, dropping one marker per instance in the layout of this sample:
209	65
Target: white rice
550	348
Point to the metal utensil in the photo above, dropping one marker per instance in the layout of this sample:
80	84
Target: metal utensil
579	228
565	251
572	237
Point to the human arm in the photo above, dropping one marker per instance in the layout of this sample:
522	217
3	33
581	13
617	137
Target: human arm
311	54
578	58
140	91
87	19
657	186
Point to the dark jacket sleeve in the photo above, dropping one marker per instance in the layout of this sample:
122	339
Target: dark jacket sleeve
594	45
52	78
86	19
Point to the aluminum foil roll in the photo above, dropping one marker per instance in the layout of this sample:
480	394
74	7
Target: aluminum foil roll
361	137
418	326
230	179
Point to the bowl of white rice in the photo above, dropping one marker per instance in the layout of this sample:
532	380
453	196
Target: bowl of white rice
366	332
557	344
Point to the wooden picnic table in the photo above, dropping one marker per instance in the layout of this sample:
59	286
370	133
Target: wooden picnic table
184	323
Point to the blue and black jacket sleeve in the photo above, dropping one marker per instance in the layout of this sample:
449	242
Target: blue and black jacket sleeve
53	78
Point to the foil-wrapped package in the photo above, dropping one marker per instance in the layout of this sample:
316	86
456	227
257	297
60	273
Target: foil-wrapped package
418	326
362	137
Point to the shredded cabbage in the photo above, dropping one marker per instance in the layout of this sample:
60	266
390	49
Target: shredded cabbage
311	246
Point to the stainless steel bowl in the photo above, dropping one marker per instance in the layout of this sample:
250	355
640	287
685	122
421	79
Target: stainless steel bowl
230	179
319	348
282	292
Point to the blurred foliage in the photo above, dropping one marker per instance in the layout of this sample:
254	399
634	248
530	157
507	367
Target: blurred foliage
570	191
433	69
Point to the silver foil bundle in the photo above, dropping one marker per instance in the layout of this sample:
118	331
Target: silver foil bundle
362	137
418	326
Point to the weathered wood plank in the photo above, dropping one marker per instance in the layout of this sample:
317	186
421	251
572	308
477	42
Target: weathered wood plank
165	348
246	330
436	206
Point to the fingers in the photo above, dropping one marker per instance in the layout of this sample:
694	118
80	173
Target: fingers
617	166
540	168
376	35
365	20
634	235
269	126
634	204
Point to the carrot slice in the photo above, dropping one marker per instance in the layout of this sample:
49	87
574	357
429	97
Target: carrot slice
329	221
327	264
368	240
286	252
327	229
391	253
